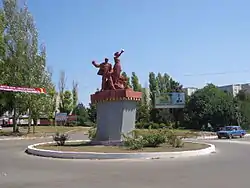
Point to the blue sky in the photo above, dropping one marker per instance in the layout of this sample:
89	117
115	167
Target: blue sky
178	37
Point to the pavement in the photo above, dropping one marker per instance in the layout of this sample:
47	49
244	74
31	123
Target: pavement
228	167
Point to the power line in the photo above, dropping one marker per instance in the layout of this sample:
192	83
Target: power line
218	73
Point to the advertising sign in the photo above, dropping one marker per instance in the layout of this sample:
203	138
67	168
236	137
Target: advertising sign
170	100
61	117
72	118
22	89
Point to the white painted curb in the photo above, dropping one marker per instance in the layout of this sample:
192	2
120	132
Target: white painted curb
95	155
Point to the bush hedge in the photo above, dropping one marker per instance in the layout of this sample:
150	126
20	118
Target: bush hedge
151	125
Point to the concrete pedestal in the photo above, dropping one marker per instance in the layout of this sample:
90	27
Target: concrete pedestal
116	113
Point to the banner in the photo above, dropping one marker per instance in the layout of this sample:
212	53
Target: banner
61	117
22	89
72	118
170	100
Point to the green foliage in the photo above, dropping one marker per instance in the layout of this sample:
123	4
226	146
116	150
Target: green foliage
136	86
92	112
60	139
154	138
133	143
127	78
152	125
82	114
66	105
92	133
210	105
74	95
174	140
243	109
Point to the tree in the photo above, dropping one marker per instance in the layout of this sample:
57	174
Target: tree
127	78
62	85
210	105
18	35
243	109
2	45
74	95
92	112
163	84
136	86
67	102
143	108
82	114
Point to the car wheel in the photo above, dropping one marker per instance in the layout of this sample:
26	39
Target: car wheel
219	137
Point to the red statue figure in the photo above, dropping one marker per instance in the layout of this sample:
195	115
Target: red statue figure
111	78
105	70
119	81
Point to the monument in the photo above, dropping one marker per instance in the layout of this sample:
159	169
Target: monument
115	102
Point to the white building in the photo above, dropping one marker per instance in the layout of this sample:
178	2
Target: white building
246	87
190	90
233	88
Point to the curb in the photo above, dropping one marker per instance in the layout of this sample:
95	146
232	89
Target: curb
95	155
208	137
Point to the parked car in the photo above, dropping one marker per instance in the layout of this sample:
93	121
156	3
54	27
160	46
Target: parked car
230	132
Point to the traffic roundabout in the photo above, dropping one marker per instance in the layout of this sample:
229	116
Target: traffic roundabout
40	149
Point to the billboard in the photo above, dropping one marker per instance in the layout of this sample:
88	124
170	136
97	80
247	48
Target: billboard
61	117
170	100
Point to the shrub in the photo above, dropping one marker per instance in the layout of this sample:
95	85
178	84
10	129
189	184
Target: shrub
133	143
174	140
60	138
139	125
154	138
92	133
151	125
89	124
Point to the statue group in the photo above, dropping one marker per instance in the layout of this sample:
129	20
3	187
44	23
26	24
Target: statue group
111	76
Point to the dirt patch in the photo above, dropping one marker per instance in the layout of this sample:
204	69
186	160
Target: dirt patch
86	147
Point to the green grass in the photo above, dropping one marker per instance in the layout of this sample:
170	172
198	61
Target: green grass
43	131
85	147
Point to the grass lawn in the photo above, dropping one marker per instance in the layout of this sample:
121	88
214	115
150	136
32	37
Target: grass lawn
42	130
85	147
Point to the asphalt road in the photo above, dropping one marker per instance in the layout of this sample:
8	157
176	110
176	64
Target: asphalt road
229	167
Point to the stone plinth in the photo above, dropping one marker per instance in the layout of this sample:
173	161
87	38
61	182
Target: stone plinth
116	111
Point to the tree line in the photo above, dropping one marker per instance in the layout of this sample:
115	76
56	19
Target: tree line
209	108
23	63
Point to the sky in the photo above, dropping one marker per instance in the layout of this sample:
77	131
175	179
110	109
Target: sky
190	40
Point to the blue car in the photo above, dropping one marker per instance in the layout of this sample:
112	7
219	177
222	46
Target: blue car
230	132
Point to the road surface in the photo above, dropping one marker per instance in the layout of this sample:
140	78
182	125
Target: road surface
229	167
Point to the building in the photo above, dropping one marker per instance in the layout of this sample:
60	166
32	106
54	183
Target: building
246	87
233	88
190	90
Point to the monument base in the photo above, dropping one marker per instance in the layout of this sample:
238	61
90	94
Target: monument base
107	143
116	113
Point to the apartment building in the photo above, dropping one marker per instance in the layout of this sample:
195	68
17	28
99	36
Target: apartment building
246	87
190	90
235	88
